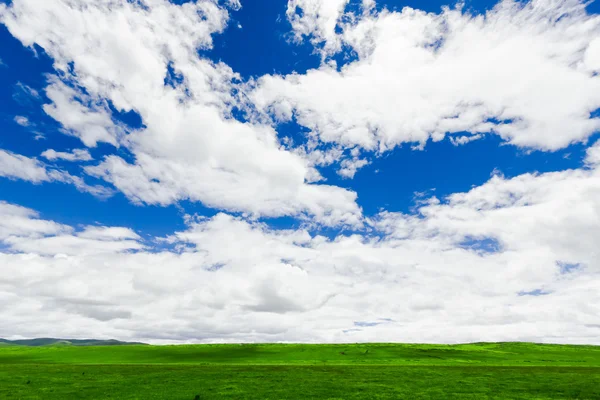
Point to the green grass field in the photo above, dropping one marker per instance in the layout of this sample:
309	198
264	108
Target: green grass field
277	371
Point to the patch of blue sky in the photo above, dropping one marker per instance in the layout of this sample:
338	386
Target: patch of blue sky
441	168
481	245
64	204
535	293
568	268
364	324
259	41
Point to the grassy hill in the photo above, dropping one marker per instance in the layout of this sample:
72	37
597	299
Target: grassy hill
290	371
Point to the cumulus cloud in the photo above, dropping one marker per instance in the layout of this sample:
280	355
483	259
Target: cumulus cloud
513	259
350	166
317	19
75	155
131	57
555	213
23	231
80	115
108	233
17	166
593	154
70	245
23	222
526	71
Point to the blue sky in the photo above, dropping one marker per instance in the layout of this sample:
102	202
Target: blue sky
311	150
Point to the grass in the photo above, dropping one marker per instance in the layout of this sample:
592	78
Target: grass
276	371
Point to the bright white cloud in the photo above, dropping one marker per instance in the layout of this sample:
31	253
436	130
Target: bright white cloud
75	155
80	116
23	222
17	166
70	245
513	259
526	71
190	147
317	19
350	166
462	140
557	214
23	231
593	154
108	233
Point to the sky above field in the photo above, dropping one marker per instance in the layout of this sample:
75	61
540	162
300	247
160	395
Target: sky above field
302	170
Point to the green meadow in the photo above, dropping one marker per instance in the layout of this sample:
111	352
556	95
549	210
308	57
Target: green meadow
301	371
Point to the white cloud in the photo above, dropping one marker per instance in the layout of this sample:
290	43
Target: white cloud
23	231
593	154
555	214
21	120
108	233
513	259
80	116
17	166
317	19
525	71
190	147
75	155
160	181
462	140
23	222
26	123
350	166
70	245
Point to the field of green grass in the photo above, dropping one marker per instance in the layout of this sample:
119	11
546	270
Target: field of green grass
290	371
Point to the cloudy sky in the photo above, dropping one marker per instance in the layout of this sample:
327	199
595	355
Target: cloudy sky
303	170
